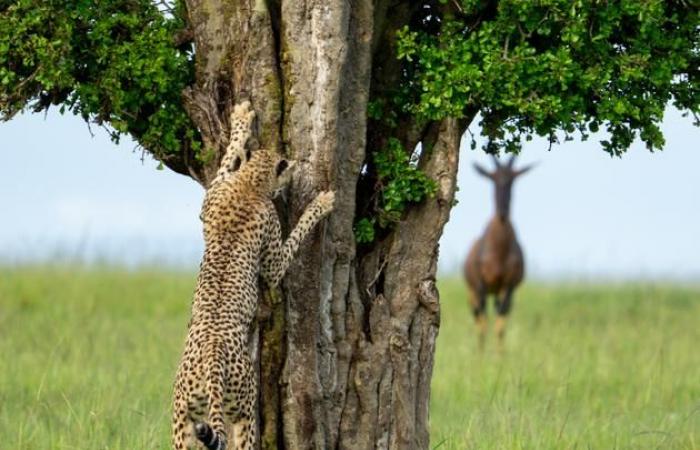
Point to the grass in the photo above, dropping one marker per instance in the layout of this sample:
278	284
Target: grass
585	367
86	359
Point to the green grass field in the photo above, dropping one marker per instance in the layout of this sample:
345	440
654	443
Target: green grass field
87	358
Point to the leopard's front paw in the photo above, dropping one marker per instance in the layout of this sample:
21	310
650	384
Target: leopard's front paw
242	117
325	201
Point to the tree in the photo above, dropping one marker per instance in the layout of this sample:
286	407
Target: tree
372	98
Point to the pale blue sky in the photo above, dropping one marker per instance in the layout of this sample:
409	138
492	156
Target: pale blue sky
67	195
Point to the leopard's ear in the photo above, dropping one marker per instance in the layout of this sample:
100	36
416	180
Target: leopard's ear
248	154
284	170
236	164
282	165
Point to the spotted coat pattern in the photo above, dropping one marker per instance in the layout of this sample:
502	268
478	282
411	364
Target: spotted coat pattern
215	389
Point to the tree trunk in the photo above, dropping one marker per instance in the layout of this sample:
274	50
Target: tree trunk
345	350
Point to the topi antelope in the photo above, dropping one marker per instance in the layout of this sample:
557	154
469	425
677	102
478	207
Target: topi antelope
495	262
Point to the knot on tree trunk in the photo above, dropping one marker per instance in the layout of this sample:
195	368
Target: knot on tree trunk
399	343
429	297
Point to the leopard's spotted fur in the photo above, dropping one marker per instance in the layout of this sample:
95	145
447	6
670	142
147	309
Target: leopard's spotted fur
215	388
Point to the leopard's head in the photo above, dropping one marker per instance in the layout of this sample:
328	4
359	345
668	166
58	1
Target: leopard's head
268	171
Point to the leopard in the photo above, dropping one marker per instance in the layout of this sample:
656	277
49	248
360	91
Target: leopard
215	391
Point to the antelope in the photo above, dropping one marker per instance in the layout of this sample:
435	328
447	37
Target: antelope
495	262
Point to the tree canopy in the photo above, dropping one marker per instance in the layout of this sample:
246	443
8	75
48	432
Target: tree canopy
538	67
115	63
528	67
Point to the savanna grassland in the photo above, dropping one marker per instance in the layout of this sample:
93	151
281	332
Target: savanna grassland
585	367
87	358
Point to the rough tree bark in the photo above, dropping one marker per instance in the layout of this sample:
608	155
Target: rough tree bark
345	352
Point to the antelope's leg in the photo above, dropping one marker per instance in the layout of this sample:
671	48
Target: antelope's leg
478	303
504	302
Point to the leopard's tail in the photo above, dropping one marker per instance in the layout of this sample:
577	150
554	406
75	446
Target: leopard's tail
213	434
208	437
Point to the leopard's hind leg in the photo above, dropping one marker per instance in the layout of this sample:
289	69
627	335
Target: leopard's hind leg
241	403
182	427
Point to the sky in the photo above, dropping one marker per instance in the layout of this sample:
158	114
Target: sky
70	194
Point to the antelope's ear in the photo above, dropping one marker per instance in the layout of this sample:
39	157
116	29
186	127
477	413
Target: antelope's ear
483	172
522	170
